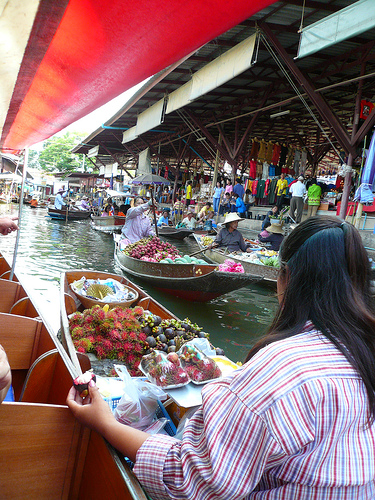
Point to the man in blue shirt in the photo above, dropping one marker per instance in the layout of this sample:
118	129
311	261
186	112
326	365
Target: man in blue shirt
163	219
240	206
239	189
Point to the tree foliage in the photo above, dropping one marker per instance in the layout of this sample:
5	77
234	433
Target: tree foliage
56	154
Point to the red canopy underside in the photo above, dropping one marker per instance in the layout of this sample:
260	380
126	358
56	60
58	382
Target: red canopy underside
99	50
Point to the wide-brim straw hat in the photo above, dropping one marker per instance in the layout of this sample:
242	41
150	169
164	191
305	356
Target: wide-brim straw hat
232	217
275	228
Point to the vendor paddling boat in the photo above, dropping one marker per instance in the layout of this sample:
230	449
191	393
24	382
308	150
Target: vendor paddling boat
174	233
110	224
219	255
196	282
59	457
55	213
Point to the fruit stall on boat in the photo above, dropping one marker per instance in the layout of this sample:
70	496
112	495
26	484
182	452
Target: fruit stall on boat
117	324
159	264
110	224
55	213
58	454
261	262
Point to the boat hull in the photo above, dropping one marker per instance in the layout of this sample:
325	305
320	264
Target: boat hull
188	281
175	234
54	213
111	224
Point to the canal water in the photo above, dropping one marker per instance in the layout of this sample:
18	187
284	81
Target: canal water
47	247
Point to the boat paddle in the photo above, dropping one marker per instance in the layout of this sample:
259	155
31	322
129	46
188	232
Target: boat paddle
203	249
153	210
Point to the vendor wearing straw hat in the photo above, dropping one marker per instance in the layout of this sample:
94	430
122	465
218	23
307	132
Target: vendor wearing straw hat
272	236
229	236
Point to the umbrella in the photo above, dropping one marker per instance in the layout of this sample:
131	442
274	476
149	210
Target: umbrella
149	179
363	193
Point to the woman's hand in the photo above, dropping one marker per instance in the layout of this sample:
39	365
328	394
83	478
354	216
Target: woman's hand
93	411
5	374
7	225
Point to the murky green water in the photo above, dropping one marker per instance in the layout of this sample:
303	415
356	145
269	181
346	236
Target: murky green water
48	247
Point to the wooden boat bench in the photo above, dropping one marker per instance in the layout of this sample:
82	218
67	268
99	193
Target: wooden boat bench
14	300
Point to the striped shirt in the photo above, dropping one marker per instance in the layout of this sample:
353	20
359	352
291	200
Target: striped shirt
289	425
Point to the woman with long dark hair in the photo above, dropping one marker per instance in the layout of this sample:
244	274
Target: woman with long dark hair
297	420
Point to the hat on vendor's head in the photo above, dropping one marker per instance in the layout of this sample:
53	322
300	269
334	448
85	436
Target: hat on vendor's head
232	217
61	190
276	228
301	178
84	197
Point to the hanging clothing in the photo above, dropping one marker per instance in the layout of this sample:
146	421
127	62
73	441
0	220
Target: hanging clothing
254	188
276	154
283	153
259	169
269	152
271	171
290	157
267	187
265	171
254	150
262	151
260	189
297	161
253	169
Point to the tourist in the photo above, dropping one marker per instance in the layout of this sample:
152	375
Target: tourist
314	194
163	219
239	189
229	236
226	206
249	200
137	224
207	207
229	187
280	191
296	421
83	205
298	191
189	193
59	200
217	196
106	211
239	205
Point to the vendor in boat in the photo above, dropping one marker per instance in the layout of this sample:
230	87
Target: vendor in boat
137	224
189	220
59	200
163	219
296	421
229	236
83	204
273	236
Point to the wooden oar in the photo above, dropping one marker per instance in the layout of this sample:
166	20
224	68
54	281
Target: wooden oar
153	211
203	249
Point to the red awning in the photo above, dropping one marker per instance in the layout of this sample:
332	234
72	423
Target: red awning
100	49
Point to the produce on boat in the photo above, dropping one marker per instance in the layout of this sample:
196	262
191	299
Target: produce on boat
58	454
161	265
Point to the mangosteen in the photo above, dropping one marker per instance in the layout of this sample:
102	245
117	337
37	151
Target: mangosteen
172	348
179	333
186	336
157	320
162	338
220	351
164	347
169	333
146	329
201	335
160	330
185	326
171	342
147	351
151	341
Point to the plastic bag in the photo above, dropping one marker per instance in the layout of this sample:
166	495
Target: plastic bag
198	366
164	370
139	402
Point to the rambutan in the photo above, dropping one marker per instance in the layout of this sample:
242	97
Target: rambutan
114	334
138	311
77	333
128	346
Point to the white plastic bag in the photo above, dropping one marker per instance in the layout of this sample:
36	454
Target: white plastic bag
139	402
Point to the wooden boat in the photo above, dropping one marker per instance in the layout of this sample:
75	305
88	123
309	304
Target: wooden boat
174	233
70	303
44	451
188	281
110	224
54	213
219	255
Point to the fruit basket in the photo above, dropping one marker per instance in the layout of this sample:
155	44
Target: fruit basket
99	292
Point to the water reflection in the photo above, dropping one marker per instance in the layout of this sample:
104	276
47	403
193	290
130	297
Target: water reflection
48	247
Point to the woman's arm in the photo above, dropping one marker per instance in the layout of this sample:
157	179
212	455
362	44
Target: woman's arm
94	412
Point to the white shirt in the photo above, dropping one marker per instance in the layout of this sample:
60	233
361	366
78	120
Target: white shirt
298	189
